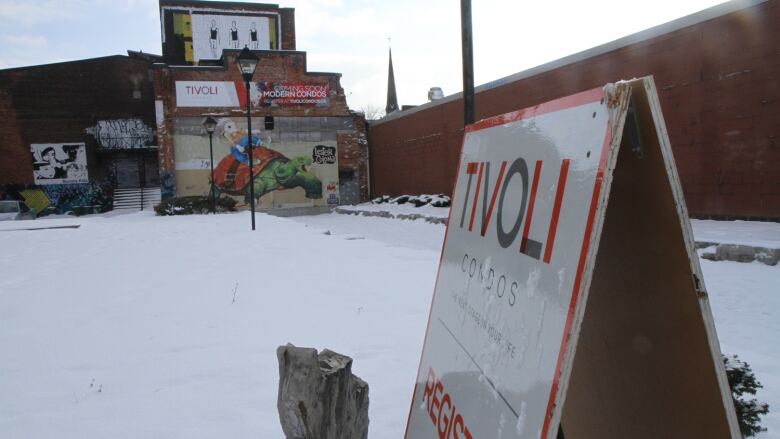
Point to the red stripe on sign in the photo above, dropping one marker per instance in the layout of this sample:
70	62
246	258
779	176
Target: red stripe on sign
556	210
471	168
241	92
586	97
531	202
433	296
486	221
476	196
575	294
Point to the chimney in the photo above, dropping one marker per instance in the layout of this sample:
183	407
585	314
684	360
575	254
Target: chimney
435	93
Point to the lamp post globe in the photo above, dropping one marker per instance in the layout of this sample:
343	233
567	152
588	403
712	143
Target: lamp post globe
247	63
210	124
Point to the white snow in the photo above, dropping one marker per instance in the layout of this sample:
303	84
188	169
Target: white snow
754	233
140	326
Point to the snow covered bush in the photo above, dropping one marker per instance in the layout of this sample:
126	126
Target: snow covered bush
193	204
742	380
416	200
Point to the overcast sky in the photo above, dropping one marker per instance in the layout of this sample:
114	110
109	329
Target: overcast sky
351	36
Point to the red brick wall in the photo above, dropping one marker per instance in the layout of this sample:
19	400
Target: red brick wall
353	153
718	84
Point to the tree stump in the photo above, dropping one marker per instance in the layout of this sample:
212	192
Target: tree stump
319	397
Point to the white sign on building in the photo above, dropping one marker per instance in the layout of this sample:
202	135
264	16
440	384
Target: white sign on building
206	94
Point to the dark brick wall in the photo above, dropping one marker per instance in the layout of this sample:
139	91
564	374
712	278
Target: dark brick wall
57	102
718	84
288	28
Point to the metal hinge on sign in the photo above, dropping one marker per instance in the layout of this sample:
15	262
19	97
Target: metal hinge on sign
632	126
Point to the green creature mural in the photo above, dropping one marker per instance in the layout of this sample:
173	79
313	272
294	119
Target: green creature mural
280	174
272	170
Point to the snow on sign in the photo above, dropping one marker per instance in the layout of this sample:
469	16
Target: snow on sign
520	255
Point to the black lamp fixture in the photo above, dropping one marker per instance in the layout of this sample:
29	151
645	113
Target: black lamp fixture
247	63
210	124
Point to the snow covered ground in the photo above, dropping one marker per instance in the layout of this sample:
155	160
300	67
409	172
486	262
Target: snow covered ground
138	326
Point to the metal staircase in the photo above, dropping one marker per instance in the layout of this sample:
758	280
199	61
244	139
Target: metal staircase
136	198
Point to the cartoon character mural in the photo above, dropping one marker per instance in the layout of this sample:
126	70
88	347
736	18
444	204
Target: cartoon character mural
272	170
59	163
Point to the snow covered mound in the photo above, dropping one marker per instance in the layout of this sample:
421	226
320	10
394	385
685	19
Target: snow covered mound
415	200
430	208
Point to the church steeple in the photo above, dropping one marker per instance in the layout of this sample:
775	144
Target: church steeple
392	97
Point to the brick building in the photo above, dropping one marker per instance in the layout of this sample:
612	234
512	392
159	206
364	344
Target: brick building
717	73
94	134
75	132
301	117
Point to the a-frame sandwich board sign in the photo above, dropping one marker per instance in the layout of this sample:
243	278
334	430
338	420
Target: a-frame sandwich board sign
569	292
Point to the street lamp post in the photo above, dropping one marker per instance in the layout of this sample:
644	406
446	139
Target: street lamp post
247	62
210	125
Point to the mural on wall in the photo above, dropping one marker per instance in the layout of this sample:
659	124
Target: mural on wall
167	184
122	134
79	198
285	173
59	163
212	33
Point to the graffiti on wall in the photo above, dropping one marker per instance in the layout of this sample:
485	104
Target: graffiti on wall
323	154
285	173
59	163
78	198
122	134
167	184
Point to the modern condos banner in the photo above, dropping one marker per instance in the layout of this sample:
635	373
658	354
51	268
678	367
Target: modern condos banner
213	33
59	163
206	94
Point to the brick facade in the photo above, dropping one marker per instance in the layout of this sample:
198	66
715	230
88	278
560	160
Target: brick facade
718	82
57	103
275	67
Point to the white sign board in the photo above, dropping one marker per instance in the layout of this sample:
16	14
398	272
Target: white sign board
512	263
213	33
59	163
206	94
